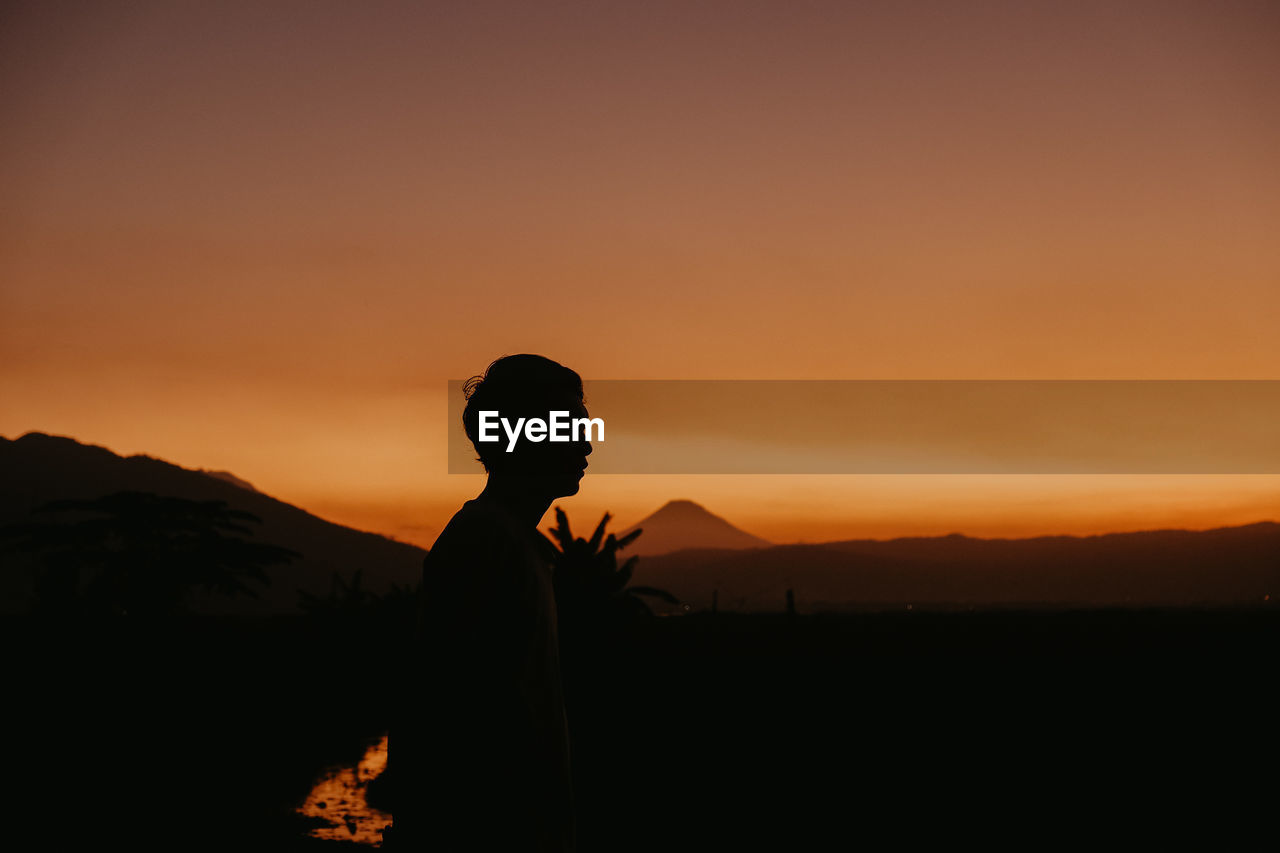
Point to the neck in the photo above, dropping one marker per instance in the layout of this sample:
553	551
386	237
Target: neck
515	495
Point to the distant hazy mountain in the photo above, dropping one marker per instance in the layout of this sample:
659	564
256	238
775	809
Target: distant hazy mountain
38	468
1230	566
684	524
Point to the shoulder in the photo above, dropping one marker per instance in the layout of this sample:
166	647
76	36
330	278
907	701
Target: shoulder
477	528
480	540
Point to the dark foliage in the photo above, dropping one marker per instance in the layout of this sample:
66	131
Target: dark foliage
140	554
591	587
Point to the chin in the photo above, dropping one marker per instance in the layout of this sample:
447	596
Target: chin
567	489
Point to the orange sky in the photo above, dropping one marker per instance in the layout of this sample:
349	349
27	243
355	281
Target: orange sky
262	236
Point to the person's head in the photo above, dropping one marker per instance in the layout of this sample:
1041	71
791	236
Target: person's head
528	386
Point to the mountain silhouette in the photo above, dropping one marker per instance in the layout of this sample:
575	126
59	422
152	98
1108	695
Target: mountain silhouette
41	468
692	552
1229	566
682	524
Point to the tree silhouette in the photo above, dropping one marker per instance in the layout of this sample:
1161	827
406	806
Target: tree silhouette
139	554
590	585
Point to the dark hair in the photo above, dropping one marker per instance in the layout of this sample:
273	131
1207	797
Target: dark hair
522	385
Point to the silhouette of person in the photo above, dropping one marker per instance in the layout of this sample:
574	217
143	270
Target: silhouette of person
479	747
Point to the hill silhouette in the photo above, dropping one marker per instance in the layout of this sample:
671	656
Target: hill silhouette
1229	566
693	553
681	524
41	468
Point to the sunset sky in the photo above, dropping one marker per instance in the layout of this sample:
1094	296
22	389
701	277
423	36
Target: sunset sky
261	237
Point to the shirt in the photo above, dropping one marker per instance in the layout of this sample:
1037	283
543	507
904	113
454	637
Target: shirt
483	736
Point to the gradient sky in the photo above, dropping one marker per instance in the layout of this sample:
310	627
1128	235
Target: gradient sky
261	236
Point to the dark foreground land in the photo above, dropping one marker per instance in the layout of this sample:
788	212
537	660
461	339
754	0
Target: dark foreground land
702	731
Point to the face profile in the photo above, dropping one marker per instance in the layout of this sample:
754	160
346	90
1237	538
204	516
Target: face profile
560	466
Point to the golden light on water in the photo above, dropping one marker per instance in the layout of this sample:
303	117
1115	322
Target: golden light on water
339	798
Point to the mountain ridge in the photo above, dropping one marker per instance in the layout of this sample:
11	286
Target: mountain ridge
1220	567
702	557
40	468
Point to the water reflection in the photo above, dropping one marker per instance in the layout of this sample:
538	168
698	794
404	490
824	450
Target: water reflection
339	798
